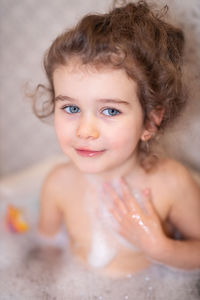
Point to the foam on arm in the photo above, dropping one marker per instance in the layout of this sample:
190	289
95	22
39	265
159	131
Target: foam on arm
59	239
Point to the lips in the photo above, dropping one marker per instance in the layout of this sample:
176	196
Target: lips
88	152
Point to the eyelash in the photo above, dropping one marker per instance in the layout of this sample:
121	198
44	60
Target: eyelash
106	108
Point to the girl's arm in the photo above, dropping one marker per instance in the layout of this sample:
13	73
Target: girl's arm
179	254
185	216
50	217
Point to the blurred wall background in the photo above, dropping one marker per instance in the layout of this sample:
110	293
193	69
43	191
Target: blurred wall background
27	28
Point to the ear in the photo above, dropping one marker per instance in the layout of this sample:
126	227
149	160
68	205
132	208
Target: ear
156	115
155	119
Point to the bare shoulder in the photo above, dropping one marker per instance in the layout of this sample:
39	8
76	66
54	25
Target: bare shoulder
173	183
61	175
57	182
175	173
183	180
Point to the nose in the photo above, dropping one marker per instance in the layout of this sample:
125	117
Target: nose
87	128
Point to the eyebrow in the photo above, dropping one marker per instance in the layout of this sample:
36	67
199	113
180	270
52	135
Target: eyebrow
115	101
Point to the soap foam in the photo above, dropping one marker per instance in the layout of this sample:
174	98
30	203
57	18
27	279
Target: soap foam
105	239
101	252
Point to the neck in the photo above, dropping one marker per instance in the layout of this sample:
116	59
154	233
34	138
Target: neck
130	167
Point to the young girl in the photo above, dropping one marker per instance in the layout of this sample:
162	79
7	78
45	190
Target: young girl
115	83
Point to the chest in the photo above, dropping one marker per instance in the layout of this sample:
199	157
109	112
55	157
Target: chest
91	227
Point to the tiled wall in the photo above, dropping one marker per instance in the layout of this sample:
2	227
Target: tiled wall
26	29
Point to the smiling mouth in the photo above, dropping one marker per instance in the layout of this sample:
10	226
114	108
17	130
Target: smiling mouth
89	153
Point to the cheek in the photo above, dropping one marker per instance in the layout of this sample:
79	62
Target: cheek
126	136
122	140
62	131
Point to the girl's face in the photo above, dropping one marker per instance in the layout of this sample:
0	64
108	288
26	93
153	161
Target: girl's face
98	118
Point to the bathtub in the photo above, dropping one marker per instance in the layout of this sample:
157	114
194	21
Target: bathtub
29	271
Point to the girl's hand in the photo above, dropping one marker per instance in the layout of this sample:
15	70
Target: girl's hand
140	227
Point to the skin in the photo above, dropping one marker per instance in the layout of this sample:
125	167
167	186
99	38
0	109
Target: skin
171	195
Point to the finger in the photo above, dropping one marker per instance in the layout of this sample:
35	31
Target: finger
116	214
117	200
128	197
124	226
148	202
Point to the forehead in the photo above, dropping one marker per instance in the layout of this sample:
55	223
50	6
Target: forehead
77	77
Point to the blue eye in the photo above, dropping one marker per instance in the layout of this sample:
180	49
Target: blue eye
71	109
111	112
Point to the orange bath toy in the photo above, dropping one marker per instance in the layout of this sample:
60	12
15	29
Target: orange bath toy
15	220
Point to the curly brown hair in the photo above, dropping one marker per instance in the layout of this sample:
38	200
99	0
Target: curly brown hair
132	37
